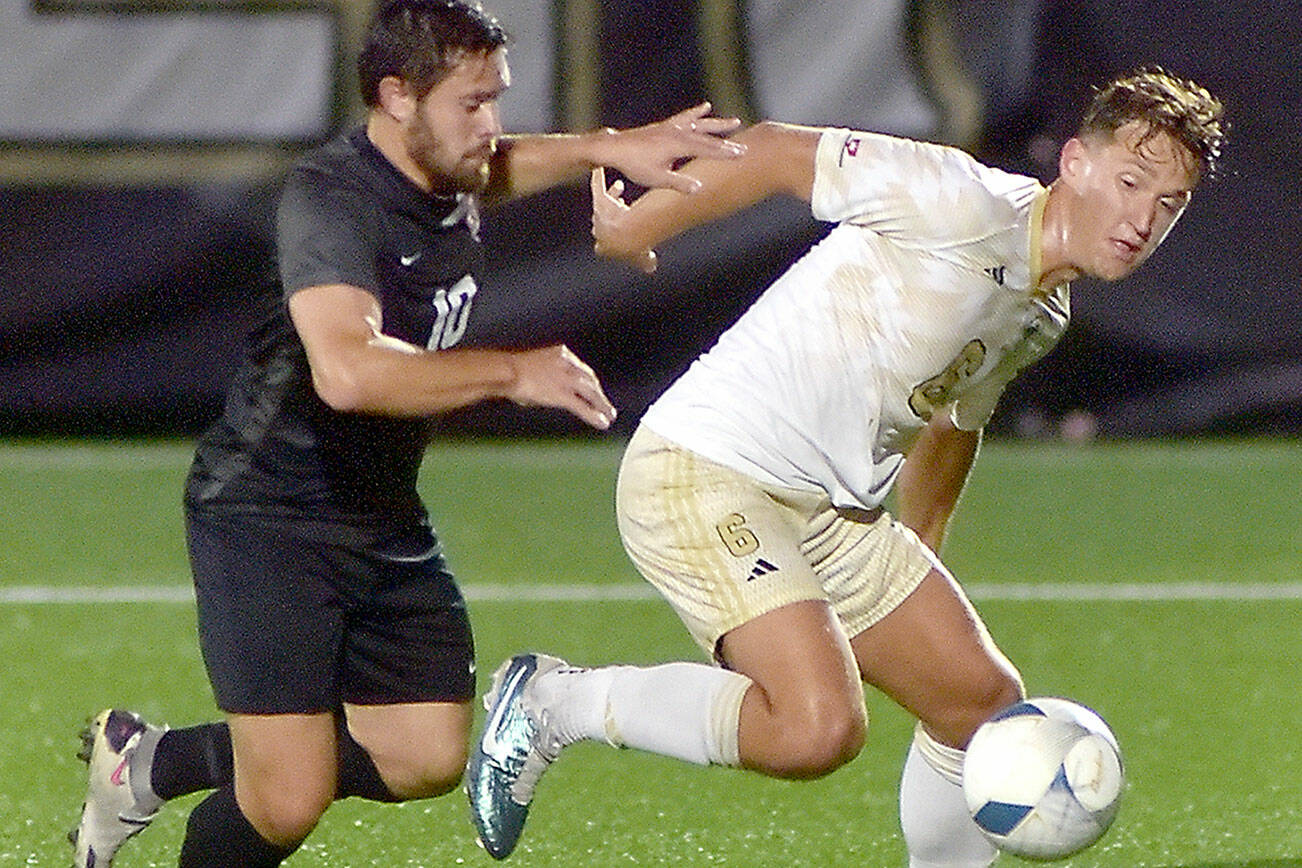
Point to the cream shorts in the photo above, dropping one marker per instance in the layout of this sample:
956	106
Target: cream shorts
724	548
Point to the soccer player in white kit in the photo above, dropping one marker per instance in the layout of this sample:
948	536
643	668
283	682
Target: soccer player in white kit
751	494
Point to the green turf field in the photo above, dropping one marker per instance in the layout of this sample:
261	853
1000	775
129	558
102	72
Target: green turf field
1159	582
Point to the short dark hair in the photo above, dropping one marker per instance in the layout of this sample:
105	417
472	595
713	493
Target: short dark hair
1166	103
421	41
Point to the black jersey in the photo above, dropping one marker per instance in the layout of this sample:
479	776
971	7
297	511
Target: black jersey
347	216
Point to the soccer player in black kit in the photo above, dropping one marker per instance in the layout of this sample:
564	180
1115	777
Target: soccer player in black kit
334	636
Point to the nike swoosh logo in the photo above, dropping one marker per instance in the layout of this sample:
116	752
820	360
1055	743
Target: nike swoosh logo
116	778
489	744
409	260
412	559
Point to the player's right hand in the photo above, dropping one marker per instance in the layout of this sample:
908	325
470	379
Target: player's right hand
647	154
555	377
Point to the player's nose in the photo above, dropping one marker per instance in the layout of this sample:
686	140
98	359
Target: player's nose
1143	220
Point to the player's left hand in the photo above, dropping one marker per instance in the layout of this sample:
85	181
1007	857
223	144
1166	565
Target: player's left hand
608	213
647	155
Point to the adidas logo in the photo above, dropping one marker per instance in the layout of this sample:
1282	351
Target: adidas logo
997	273
762	568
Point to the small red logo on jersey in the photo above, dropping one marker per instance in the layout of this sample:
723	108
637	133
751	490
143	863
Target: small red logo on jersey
852	146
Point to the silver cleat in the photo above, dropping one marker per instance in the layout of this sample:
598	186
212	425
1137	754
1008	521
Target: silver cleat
510	757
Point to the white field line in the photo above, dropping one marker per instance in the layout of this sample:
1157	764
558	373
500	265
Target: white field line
18	595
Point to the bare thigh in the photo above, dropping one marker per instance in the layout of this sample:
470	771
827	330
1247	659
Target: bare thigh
933	655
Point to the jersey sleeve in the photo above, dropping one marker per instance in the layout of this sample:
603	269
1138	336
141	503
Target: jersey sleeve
974	406
972	410
910	189
324	236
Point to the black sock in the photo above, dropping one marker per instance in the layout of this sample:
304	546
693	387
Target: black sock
199	758
192	759
358	775
218	834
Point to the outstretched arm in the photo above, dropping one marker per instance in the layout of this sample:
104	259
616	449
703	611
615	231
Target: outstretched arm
779	159
527	164
933	477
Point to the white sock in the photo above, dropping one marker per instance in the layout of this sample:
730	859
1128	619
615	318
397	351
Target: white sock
688	711
938	830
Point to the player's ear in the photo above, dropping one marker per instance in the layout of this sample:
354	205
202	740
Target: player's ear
1071	160
396	98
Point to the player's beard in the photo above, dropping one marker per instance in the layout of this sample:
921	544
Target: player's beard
468	173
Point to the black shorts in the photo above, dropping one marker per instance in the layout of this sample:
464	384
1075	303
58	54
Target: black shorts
299	616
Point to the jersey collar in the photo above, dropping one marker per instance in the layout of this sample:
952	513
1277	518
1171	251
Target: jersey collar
1036	241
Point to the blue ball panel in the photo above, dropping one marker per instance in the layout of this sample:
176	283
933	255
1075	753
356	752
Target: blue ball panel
1000	818
1019	709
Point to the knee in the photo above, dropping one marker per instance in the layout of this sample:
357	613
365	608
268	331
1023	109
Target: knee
432	773
831	744
284	815
820	743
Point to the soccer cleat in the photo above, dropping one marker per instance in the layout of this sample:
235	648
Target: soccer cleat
112	812
511	756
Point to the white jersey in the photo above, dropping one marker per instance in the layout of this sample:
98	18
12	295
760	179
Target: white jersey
922	299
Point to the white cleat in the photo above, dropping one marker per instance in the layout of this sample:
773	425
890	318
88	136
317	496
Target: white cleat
112	812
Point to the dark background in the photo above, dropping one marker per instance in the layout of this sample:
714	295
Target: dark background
123	306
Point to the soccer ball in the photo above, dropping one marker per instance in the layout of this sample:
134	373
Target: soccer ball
1043	778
